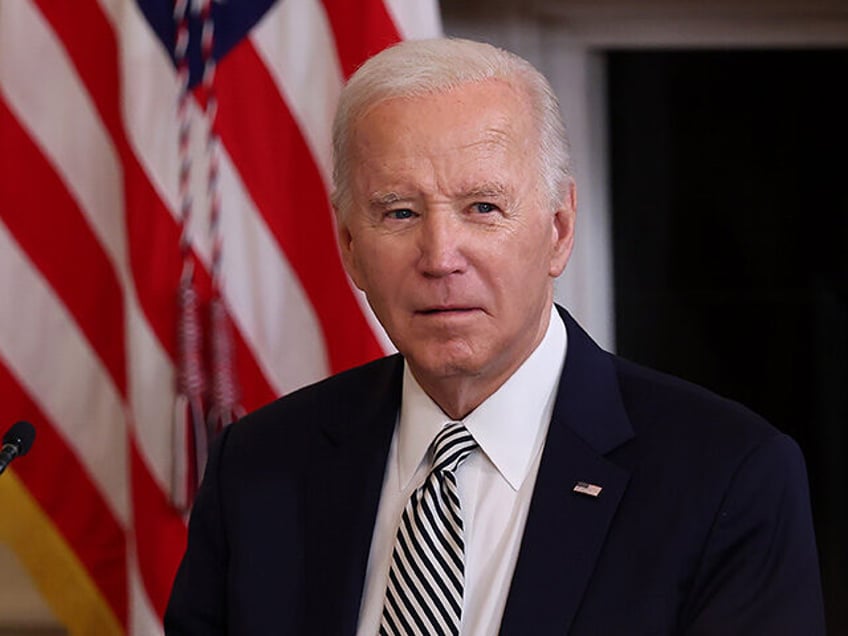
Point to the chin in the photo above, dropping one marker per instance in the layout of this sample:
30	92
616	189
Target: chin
439	363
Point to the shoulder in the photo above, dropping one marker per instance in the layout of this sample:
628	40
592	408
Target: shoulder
327	407
688	430
644	414
664	400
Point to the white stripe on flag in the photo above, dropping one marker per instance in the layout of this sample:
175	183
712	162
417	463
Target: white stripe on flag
67	130
143	620
42	345
84	156
265	297
310	85
310	88
262	292
415	20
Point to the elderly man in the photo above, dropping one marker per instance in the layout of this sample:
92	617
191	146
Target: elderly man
502	473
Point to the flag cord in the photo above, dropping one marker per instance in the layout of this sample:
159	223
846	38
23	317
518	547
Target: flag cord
207	398
224	397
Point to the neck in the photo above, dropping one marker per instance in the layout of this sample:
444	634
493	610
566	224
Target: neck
459	393
458	399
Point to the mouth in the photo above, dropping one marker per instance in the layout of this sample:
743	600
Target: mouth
446	311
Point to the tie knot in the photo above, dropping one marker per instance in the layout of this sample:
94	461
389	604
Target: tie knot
451	446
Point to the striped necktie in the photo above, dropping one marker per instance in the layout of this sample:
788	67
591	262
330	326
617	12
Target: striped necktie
427	573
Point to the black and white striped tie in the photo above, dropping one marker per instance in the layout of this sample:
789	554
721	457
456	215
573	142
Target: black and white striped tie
427	574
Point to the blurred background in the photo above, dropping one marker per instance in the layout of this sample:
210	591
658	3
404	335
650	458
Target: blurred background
711	139
709	142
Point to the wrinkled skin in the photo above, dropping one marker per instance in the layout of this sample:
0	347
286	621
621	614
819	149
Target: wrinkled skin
452	236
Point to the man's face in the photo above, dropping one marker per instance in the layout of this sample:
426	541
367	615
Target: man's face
451	233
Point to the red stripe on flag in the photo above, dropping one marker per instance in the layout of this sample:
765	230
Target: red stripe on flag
278	170
67	253
153	232
91	45
254	389
156	266
77	509
276	166
158	531
361	29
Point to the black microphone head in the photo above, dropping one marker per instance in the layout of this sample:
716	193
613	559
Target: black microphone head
22	435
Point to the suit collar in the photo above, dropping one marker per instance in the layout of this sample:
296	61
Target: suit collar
347	462
589	400
527	396
565	529
564	532
361	396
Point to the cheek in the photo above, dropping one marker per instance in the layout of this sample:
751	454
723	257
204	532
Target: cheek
521	271
354	270
524	251
379	271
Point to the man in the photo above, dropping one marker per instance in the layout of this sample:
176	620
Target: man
586	495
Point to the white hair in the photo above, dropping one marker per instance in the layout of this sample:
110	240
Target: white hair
424	67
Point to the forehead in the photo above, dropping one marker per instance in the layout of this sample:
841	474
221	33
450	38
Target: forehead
464	130
496	105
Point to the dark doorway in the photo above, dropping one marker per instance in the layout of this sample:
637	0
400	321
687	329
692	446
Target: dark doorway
730	216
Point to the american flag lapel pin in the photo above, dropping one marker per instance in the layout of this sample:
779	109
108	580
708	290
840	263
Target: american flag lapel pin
593	490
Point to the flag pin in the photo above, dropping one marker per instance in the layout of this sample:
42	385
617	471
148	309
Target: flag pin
593	490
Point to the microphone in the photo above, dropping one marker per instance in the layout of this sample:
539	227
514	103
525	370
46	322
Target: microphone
16	442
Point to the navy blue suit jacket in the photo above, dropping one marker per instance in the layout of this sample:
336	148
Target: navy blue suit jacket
702	526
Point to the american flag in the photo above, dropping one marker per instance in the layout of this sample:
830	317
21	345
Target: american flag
91	218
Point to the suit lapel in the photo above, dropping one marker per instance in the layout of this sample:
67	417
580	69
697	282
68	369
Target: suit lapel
342	496
566	529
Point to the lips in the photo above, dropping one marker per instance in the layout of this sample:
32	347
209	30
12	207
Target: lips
443	310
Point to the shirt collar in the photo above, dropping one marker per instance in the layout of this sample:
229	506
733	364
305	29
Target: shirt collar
509	426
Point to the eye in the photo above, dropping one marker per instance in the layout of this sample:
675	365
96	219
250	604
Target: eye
484	208
403	213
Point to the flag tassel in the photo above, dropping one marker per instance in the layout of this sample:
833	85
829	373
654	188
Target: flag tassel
191	439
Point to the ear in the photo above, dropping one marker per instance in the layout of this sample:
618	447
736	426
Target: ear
346	242
562	238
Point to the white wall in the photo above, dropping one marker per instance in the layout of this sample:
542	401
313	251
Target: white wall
566	40
576	75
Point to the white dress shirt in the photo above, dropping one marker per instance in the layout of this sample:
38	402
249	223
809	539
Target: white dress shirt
495	483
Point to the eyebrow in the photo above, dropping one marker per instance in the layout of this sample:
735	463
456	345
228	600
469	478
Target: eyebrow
382	200
485	190
386	199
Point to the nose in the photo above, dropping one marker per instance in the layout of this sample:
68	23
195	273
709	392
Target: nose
440	244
